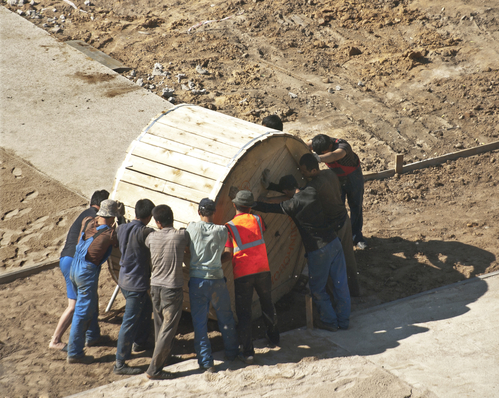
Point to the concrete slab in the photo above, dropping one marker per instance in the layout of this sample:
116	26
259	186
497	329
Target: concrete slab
444	341
68	115
441	343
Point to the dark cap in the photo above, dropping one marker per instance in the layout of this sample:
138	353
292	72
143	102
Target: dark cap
207	204
245	199
287	183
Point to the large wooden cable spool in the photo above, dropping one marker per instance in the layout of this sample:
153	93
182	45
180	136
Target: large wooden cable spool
189	153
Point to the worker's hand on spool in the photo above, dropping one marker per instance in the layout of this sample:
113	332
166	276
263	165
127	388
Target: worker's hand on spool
317	157
121	208
233	192
265	179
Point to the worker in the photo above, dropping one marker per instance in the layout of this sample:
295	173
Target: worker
97	238
251	272
167	246
207	285
328	190
134	282
65	261
323	249
339	157
273	122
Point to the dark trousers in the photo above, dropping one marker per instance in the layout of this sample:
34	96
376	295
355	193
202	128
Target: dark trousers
353	190
167	307
136	324
243	287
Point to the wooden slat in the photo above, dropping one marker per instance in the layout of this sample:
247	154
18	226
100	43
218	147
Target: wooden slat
399	163
309	311
188	150
23	272
189	180
451	156
160	185
205	117
434	161
380	175
213	125
191	139
183	210
178	161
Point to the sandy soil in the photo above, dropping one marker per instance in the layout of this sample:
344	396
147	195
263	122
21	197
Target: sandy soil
411	77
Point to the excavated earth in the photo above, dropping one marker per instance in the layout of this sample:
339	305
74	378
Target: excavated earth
418	78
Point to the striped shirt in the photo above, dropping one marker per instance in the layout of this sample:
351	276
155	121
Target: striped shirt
167	247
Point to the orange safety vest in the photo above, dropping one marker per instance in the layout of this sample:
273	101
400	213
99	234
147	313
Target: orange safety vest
250	253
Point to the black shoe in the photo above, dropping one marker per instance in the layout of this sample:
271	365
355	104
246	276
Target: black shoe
126	370
208	369
273	339
84	359
163	375
142	347
247	359
101	340
326	326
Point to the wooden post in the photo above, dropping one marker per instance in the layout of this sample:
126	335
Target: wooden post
309	311
399	163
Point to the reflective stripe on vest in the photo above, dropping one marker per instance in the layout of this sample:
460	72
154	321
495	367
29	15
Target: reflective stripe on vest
237	237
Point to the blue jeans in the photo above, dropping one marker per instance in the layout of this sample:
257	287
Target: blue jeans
65	266
136	324
85	326
243	288
201	293
353	190
329	261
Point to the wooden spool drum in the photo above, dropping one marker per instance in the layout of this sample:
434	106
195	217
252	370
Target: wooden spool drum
189	153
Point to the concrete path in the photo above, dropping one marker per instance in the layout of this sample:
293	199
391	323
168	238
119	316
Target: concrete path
442	343
69	116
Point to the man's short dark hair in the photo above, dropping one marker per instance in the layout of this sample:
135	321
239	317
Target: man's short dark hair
163	214
143	208
288	183
98	197
243	209
321	143
309	161
273	121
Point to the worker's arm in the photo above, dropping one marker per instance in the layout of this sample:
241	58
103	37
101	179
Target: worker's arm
227	254
330	157
273	199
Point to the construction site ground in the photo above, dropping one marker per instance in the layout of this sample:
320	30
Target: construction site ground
417	78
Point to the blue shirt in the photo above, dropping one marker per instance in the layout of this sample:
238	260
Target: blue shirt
206	247
135	263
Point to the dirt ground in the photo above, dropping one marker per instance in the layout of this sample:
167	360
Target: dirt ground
416	77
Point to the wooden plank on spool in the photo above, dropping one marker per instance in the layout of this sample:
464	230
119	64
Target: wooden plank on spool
215	126
189	180
178	161
191	139
160	185
183	210
204	117
196	153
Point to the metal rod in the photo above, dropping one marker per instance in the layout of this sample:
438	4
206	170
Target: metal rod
113	297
